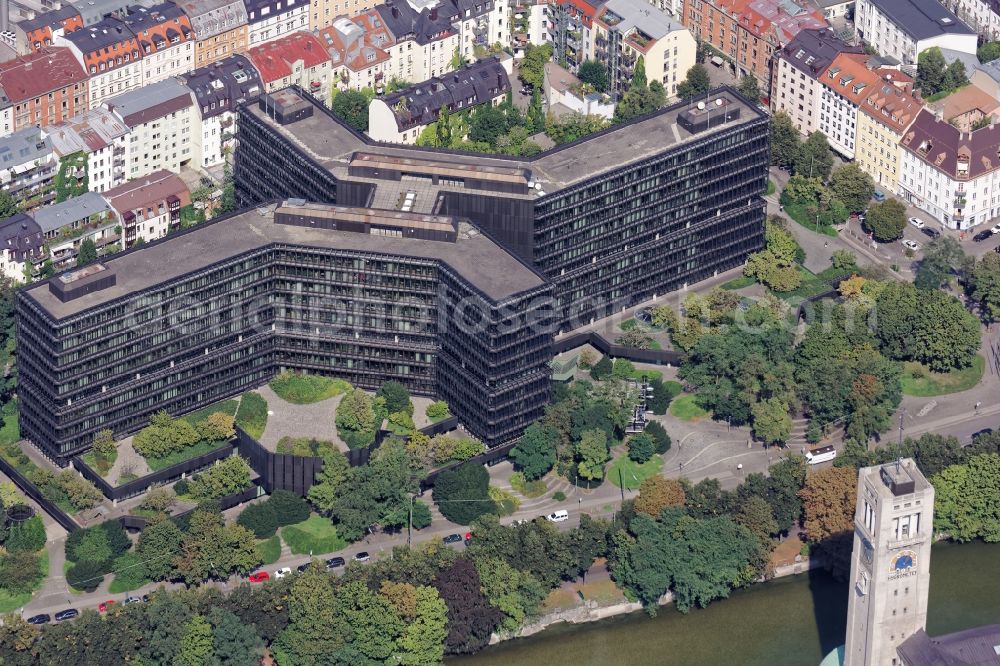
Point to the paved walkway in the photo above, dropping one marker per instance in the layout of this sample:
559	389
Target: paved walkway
315	420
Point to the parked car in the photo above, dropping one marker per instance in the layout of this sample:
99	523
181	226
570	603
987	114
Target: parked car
132	600
995	229
932	233
911	245
67	614
452	538
335	562
820	454
43	618
980	433
105	606
303	567
258	577
879	195
917	222
983	235
282	572
558	516
363	556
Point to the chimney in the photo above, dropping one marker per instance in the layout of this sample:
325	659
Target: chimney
395	12
4	15
434	13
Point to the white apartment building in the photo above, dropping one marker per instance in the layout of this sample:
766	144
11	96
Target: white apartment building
219	88
21	246
104	138
846	84
162	121
980	15
166	40
952	175
902	29
109	53
270	19
530	25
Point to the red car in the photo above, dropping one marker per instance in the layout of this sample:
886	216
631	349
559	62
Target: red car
258	577
105	606
468	538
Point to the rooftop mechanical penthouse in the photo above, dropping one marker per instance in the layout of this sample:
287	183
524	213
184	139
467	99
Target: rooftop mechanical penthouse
363	294
612	220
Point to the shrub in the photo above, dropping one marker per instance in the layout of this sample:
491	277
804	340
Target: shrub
104	444
259	519
20	571
641	447
462	494
397	398
302	389
252	414
602	369
158	499
164	436
437	410
402	420
467	448
358	418
182	487
223	478
622	369
217	427
663	393
506	503
28	536
81	493
517	481
421	515
659	435
86	575
559	496
288	507
305	446
130	572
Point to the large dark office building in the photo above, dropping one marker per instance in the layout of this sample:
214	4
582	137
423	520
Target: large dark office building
612	220
365	294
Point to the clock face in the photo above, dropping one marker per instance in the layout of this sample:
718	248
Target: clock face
903	561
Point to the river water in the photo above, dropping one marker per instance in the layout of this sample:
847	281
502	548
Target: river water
791	621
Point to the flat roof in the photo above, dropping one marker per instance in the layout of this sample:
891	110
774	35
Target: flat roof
478	259
922	19
332	144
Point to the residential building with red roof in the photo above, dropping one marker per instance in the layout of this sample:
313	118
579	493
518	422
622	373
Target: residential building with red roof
109	52
296	59
166	40
883	119
149	207
847	82
270	19
32	34
220	27
43	88
355	61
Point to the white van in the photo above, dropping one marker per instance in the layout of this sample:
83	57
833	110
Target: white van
558	516
822	454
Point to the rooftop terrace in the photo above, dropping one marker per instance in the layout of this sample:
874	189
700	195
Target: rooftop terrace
472	255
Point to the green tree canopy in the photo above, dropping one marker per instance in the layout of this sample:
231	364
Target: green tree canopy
964	501
815	159
749	88
786	142
942	258
931	67
986	286
886	220
853	186
535	453
462	494
87	254
351	106
594	73
697	82
532	69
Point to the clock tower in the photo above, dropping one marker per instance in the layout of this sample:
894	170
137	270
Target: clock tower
890	565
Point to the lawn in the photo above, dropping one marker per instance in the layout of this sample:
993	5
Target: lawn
632	473
199	449
604	592
10	602
812	285
226	407
313	536
270	549
770	188
118	587
302	389
739	283
798	213
252	414
918	381
685	408
100	465
638	373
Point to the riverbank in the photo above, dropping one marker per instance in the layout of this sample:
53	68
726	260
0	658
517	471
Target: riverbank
793	620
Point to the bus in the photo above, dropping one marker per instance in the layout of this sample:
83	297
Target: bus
821	454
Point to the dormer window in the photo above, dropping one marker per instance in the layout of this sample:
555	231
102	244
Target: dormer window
924	147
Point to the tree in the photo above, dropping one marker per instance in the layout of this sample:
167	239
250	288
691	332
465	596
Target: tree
662	395
443	128
635	338
815	160
756	515
288	507
104	444
358	419
886	220
87	254
421	516
659	435
641	447
697	82
942	257
594	73
351	106
130	571
535	453
462	494
86	575
771	421
602	369
21	571
532	69
158	545
535	116
853	186
8	206
423	639
196	648
592	454
934	453
775	265
955	75
622	368
216	427
259	519
828	501
488	122
312	611
656	493
471	619
514	593
988	52
964	502
748	87
786	143
931	68
335	471
985	279
397	398
225	477
28	536
234	643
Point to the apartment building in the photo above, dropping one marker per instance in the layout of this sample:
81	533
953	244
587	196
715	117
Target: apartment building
218	89
846	83
271	19
220	27
424	42
323	13
883	119
109	52
797	88
43	87
104	138
355	59
165	38
626	30
902	29
983	16
148	208
21	246
163	124
953	175
529	25
401	116
571	27
67	224
298	59
33	34
28	167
